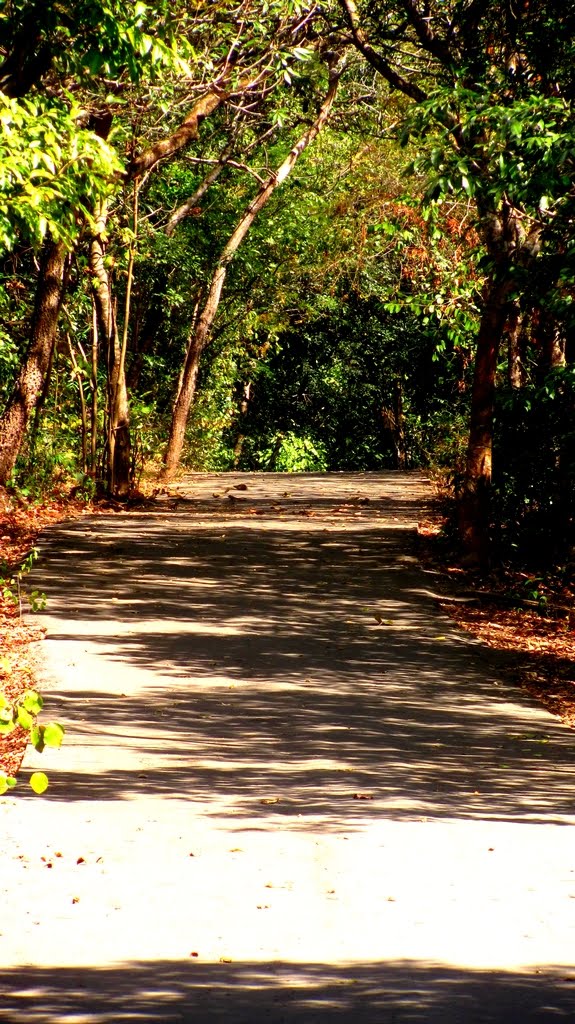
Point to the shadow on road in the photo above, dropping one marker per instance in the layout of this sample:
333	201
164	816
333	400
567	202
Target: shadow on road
280	660
281	993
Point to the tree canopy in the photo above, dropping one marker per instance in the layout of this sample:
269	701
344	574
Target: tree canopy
279	235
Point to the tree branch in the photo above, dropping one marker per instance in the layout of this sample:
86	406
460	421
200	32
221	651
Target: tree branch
224	160
186	208
187	131
430	42
376	59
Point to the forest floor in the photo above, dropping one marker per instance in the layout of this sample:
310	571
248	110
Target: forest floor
491	607
291	789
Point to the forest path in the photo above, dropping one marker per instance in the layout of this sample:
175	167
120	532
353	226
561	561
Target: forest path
291	789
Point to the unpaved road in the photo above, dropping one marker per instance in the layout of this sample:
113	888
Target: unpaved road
291	790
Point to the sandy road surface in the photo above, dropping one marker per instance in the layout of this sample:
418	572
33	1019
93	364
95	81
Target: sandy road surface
291	790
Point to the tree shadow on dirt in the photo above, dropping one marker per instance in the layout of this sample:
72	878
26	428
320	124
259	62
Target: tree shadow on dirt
404	992
279	662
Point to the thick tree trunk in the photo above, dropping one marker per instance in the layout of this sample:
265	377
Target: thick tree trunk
474	504
508	243
120	466
94	389
31	380
201	333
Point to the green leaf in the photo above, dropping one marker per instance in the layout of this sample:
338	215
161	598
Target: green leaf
53	734
6	783
24	718
33	702
37	737
39	782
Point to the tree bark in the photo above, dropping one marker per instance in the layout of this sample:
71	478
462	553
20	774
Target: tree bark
242	414
32	376
550	342
202	330
515	347
119	471
189	128
77	373
474	504
399	436
182	407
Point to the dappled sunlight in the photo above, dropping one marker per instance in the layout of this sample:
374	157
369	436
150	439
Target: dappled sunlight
370	993
313	660
472	895
297	790
427	992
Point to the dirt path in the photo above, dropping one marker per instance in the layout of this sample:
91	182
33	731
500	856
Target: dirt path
291	789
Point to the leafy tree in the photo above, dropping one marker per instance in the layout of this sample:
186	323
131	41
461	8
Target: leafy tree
203	325
492	99
55	163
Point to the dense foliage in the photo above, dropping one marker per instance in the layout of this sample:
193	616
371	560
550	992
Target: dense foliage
183	261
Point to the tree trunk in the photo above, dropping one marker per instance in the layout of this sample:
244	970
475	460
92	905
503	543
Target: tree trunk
94	397
474	504
182	406
119	446
550	342
30	383
77	373
515	347
399	434
201	333
242	414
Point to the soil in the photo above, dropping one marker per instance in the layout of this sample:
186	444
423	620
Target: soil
540	633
